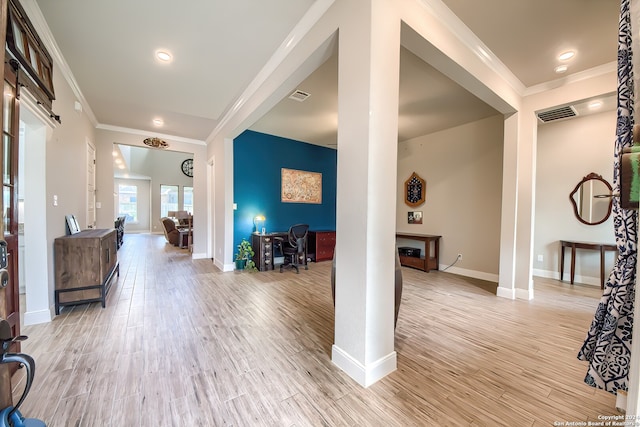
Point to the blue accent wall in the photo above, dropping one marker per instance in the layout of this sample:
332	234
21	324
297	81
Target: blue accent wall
257	162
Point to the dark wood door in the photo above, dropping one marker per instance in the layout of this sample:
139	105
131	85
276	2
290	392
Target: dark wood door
9	168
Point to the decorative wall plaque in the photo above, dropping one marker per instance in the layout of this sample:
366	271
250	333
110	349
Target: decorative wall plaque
414	190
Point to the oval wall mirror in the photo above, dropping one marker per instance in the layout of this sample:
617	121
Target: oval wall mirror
592	199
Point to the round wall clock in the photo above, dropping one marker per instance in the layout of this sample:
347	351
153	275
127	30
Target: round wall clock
187	168
414	190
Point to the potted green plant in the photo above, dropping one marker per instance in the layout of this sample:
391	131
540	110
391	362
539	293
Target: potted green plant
244	256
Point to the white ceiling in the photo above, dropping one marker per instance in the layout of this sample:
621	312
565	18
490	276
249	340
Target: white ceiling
220	46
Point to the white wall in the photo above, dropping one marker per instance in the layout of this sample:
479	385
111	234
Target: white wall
567	151
66	172
462	167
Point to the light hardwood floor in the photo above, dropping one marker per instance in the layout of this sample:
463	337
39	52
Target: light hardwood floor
182	344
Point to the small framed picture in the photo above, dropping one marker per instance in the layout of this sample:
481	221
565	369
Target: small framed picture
72	224
415	217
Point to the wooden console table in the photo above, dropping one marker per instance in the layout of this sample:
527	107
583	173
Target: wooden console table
602	247
427	262
85	263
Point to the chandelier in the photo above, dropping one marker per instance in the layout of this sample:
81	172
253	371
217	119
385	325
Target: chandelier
155	142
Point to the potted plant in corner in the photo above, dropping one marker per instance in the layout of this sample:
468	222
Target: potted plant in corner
244	257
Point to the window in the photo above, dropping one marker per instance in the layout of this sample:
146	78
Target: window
168	199
128	202
187	199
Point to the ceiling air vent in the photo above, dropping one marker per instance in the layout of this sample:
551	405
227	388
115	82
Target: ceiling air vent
299	95
557	114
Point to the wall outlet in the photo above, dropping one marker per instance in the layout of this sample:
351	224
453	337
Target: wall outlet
459	257
540	258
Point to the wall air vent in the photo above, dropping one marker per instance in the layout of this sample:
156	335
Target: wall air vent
557	114
299	95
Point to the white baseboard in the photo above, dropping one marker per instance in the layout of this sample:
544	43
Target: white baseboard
525	294
37	317
224	267
470	273
509	293
515	293
364	375
199	255
584	280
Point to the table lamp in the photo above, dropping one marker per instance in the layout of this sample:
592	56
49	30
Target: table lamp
259	222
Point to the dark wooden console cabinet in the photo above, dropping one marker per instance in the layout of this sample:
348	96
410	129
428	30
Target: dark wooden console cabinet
85	263
322	243
263	250
266	249
430	259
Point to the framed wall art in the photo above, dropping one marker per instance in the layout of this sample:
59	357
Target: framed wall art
301	186
414	217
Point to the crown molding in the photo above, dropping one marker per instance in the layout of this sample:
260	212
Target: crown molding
310	18
455	25
598	71
147	133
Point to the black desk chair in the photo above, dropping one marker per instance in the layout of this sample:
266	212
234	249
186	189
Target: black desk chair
119	226
295	247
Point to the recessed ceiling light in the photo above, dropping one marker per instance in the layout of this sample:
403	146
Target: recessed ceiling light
158	122
114	153
163	55
561	69
565	56
595	105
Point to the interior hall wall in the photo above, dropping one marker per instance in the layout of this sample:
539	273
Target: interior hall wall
257	162
66	168
567	151
462	167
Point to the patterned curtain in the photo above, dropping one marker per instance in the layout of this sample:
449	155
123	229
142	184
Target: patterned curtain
607	347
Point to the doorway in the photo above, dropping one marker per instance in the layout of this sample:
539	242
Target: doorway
32	236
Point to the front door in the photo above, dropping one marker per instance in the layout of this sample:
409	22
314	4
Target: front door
9	165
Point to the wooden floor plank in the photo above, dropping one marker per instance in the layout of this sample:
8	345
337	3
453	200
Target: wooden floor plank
181	343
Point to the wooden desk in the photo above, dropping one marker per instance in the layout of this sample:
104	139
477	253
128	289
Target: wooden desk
427	262
264	246
602	247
